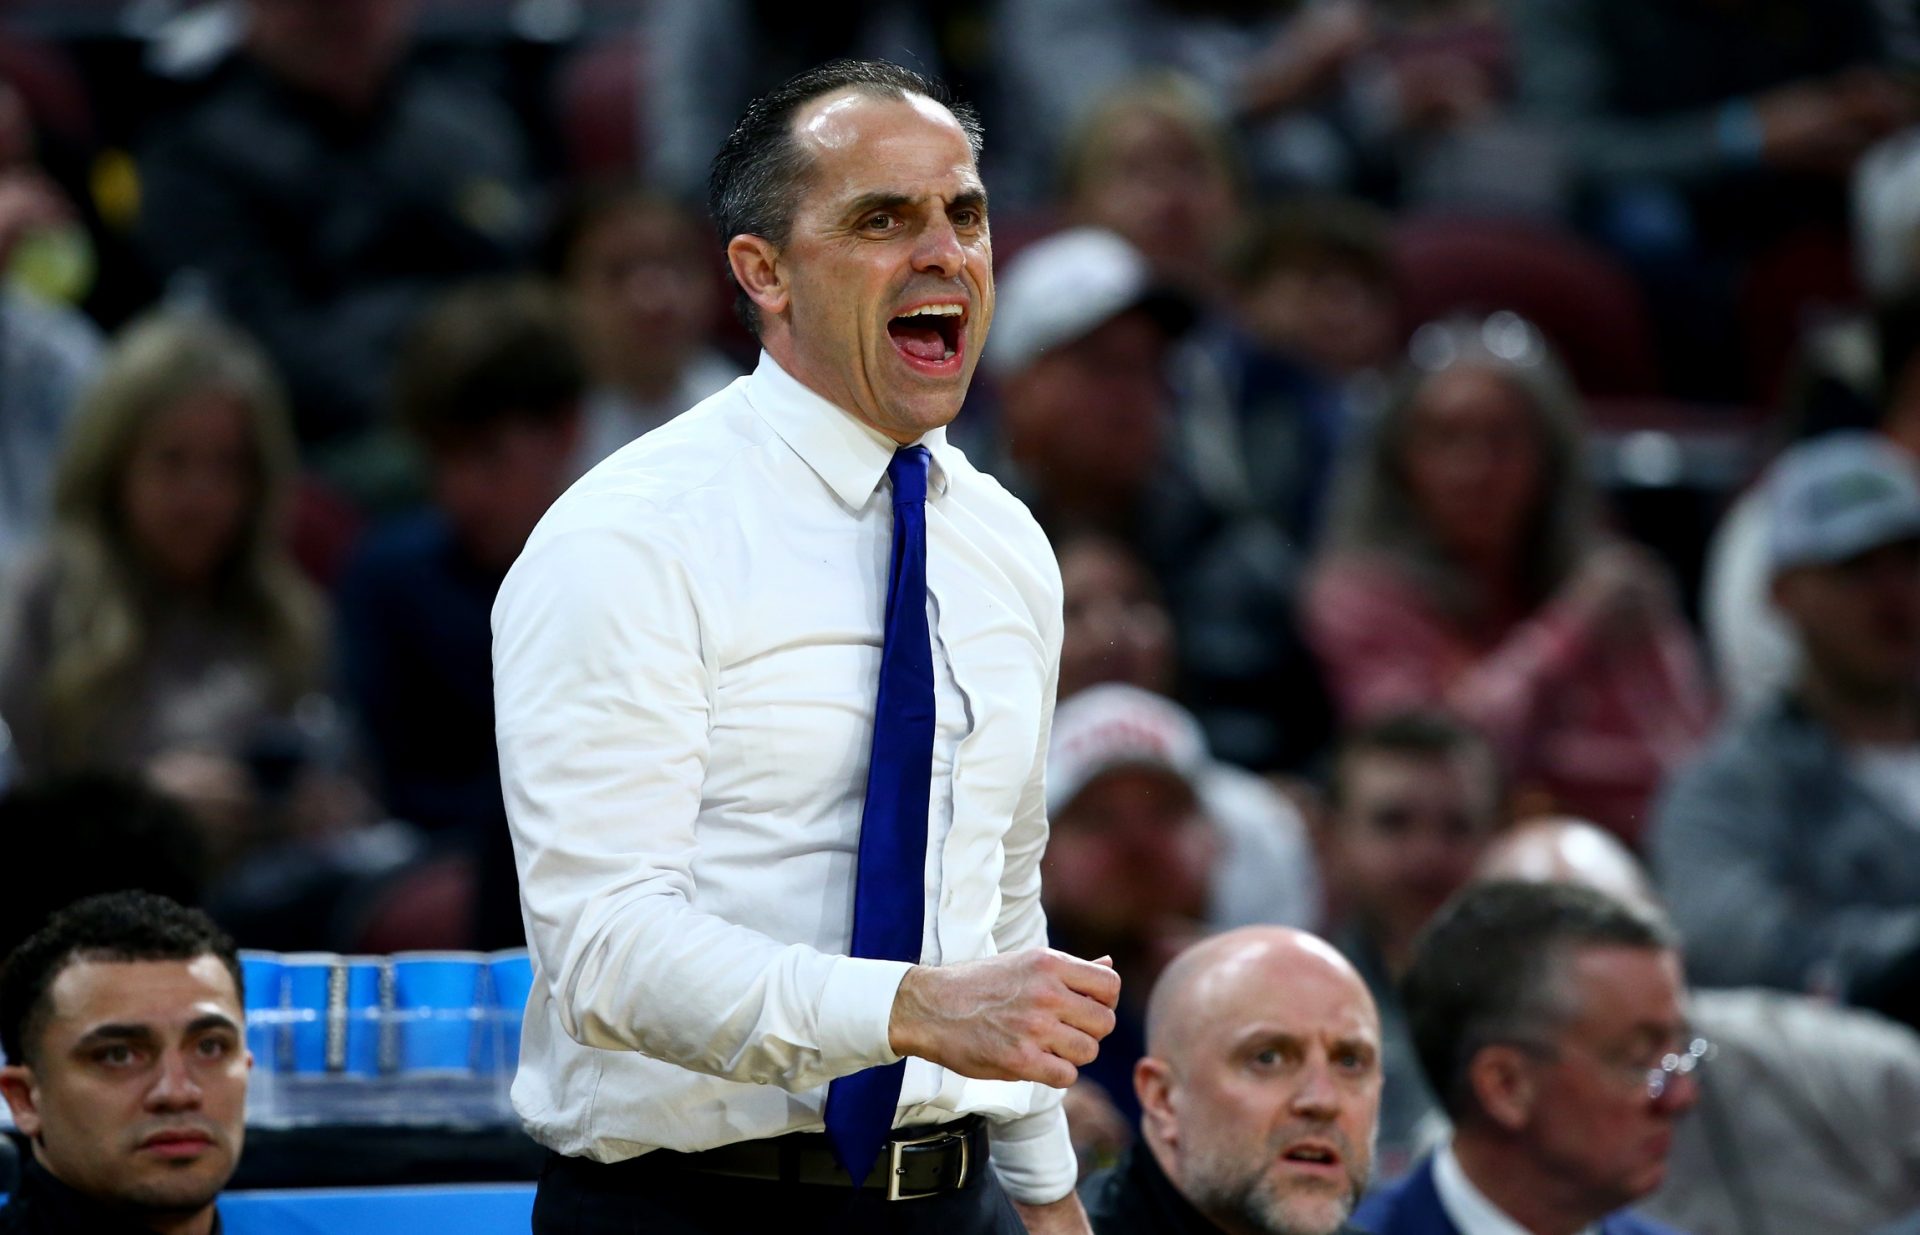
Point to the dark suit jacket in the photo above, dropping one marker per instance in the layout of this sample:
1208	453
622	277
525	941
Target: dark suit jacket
1136	1198
1412	1207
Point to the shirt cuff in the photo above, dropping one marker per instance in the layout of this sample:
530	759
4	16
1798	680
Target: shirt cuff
1033	1155
856	1006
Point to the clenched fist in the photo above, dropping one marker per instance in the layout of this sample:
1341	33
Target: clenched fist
1037	1015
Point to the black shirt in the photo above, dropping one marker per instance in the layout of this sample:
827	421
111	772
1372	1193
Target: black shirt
45	1206
1136	1198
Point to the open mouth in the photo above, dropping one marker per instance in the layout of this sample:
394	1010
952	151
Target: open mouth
930	337
1312	1154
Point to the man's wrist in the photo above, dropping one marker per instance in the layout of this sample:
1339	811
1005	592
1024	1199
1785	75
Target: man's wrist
1065	1216
904	1021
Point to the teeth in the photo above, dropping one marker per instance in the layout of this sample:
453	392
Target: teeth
935	310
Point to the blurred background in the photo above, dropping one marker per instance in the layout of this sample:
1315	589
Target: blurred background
1397	379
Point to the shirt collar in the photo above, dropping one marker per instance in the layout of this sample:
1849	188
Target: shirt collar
1468	1207
848	455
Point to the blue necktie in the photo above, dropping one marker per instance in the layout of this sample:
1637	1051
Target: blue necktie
888	905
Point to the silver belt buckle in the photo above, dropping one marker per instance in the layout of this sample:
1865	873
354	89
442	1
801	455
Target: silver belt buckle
895	1167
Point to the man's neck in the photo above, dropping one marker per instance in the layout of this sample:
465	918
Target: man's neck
1167	1160
1534	1198
1863	717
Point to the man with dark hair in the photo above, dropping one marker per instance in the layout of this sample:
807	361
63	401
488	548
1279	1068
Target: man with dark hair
126	1068
1551	1022
1807	1124
773	688
490	385
1415	796
1258	1094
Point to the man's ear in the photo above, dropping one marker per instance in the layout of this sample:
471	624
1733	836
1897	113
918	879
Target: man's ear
756	267
1153	1084
1503	1085
22	1094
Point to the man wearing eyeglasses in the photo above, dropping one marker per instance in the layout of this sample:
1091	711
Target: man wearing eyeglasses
1551	1021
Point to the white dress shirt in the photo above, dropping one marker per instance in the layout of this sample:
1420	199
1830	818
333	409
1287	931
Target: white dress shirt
1468	1207
610	417
685	661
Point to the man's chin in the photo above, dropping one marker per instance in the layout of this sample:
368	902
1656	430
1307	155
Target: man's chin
177	1189
1309	1210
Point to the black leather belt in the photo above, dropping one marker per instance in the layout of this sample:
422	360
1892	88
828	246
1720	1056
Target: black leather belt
913	1163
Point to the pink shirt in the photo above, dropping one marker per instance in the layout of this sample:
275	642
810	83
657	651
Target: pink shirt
1587	727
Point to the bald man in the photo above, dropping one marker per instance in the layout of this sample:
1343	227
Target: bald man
1805	1123
1259	1094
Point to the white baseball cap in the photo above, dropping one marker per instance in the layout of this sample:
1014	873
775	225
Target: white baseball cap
1061	288
1114	725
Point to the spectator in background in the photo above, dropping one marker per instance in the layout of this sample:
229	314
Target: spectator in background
1088	422
1259	1092
163	625
1466	570
1153	842
639	274
1740	111
1546	1017
93	832
47	350
122	1025
1806	1123
322	190
1756	656
1259	423
1790	850
1117	626
1320	91
1703	132
1414	799
705	59
1157	165
1297	361
1314	279
490	384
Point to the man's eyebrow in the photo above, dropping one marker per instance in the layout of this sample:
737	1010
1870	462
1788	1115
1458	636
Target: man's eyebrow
115	1032
1265	1035
867	203
971	199
212	1020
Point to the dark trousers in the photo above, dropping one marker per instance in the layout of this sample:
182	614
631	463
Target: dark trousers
651	1195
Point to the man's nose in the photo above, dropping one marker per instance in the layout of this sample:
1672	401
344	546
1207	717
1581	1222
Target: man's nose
1316	1097
938	250
175	1088
1680	1095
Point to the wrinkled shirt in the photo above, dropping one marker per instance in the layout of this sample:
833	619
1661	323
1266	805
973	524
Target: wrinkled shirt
685	663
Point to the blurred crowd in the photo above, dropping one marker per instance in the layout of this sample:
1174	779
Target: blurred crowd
1446	413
